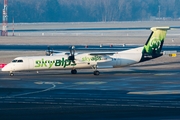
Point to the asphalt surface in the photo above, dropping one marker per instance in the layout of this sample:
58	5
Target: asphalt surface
84	29
94	48
88	29
115	94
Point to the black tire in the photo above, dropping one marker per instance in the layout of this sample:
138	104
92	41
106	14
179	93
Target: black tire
74	71
11	74
96	73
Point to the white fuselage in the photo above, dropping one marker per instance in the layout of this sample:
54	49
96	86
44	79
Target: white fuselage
83	61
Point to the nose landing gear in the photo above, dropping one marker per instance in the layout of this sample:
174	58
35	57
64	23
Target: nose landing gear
11	74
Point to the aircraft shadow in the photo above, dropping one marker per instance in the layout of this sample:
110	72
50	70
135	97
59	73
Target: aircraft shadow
165	63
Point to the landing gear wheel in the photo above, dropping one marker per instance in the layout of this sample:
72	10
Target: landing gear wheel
96	73
11	74
74	71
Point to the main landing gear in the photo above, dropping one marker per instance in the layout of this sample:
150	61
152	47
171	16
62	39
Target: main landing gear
96	72
74	71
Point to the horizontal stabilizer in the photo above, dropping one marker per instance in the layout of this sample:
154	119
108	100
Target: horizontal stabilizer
160	28
169	52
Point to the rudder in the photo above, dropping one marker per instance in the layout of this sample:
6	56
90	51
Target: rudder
155	41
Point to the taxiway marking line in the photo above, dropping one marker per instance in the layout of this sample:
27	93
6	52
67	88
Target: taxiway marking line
155	92
86	99
48	83
163	74
128	73
93	104
9	79
30	92
90	83
84	75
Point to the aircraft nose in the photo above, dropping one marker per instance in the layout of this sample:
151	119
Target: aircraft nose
6	68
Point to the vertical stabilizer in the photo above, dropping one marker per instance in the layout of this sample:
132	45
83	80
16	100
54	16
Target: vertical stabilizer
155	41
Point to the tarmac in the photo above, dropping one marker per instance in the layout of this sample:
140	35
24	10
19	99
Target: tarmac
148	90
136	92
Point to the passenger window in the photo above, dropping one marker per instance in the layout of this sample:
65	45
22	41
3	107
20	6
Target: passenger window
20	60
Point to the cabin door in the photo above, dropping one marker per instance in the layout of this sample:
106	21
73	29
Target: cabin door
31	64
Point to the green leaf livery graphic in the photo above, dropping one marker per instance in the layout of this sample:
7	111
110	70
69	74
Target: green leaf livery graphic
156	41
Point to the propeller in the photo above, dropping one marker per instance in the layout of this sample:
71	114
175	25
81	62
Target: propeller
72	52
49	52
52	52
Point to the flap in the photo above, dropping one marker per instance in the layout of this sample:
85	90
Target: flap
102	54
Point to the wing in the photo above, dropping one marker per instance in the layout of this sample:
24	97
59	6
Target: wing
101	54
54	52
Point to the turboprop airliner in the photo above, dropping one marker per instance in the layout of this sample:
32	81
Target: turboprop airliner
56	60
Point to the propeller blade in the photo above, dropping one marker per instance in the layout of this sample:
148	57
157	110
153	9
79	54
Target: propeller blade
48	52
48	48
52	52
73	50
70	48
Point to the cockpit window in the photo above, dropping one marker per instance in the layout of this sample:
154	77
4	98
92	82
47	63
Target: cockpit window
14	61
20	60
17	61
